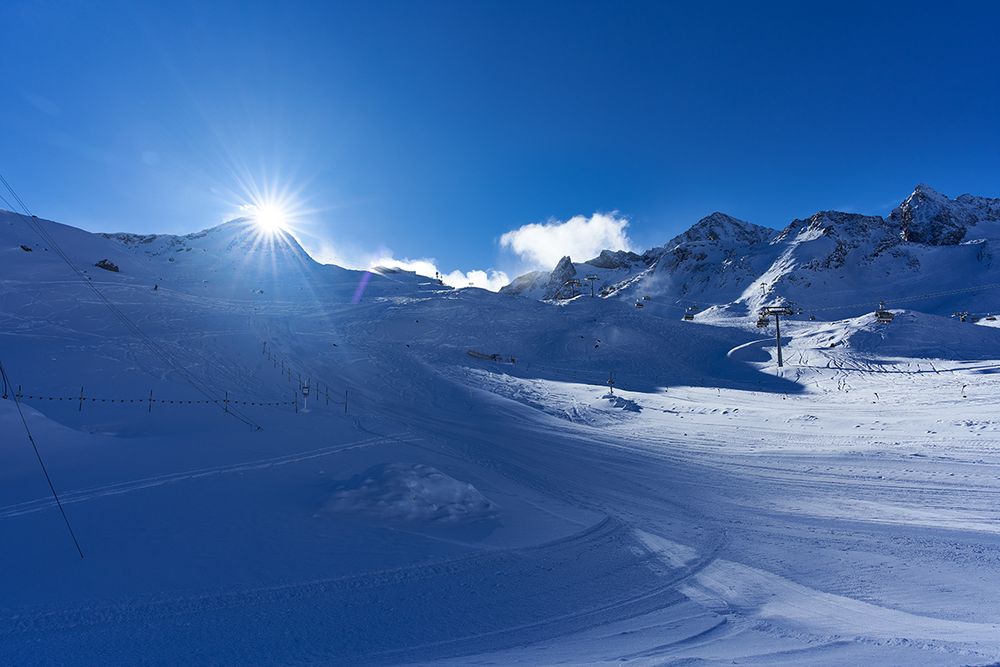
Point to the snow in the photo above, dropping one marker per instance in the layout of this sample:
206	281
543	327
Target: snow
410	492
445	508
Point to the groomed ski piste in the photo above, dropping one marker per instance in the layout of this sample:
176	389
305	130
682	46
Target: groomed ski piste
460	487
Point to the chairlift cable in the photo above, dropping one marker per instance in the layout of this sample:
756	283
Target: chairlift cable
41	463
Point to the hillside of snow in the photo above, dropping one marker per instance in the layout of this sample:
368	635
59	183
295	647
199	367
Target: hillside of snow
933	252
268	460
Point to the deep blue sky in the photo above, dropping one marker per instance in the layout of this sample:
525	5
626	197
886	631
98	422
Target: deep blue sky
432	127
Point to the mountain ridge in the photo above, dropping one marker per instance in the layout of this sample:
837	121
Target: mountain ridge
928	240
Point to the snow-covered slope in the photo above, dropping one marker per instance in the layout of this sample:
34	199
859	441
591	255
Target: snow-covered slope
932	252
461	486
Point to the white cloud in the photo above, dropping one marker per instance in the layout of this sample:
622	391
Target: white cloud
355	258
542	245
490	280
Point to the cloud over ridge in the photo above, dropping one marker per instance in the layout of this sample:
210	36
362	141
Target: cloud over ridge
490	279
542	245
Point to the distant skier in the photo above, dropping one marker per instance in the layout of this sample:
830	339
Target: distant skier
156	287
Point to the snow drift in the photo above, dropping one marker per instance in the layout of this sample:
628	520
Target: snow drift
410	492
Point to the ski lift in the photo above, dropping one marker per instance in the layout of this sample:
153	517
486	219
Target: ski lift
691	312
962	315
645	297
639	304
763	321
883	316
572	286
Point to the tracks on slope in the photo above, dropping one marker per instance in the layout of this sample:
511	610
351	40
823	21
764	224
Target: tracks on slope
117	488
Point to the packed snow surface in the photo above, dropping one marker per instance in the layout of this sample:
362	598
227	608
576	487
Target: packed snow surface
462	486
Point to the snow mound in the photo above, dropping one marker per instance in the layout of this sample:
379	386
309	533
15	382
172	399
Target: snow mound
411	492
623	403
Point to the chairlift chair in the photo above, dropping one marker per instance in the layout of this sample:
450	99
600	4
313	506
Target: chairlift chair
883	316
763	321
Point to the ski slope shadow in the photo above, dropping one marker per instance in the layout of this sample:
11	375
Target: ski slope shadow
489	600
720	359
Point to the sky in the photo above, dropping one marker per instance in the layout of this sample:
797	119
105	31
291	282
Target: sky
491	137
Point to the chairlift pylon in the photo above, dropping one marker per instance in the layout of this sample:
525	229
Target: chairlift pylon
572	285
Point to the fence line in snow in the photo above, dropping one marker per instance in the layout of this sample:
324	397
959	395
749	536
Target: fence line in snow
149	400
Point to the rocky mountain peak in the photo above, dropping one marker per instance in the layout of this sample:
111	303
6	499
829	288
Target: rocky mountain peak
929	217
615	259
722	228
848	226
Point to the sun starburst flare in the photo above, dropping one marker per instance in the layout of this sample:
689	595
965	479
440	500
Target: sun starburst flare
269	218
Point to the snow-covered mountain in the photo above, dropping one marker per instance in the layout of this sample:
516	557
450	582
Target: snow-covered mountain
233	260
829	265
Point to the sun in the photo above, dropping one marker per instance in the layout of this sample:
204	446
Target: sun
274	214
269	218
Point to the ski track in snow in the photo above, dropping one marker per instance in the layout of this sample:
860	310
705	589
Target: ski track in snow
118	488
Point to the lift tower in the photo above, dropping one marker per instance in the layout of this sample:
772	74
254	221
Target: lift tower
777	312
